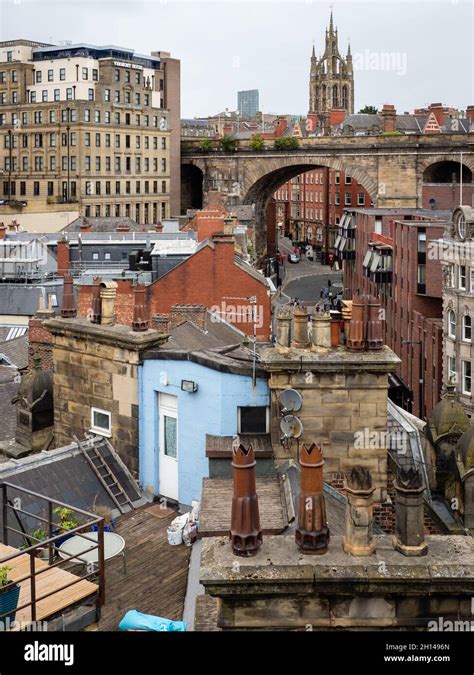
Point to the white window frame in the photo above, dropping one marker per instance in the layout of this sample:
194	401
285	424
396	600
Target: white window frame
267	419
466	392
460	276
453	313
452	370
101	431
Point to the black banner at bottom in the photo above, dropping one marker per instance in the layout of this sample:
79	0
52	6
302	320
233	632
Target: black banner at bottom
377	652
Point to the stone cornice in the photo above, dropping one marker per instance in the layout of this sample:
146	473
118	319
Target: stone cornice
338	360
116	335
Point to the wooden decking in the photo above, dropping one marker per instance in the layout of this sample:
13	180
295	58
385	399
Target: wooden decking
216	502
52	579
156	573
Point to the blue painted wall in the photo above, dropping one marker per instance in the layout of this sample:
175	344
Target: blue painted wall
211	410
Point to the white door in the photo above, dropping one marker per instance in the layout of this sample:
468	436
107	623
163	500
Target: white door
168	446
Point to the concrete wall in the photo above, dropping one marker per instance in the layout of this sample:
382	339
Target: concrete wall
211	410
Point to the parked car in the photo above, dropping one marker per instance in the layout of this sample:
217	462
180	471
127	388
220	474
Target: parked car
293	257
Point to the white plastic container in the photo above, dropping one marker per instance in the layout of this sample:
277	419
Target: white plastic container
175	536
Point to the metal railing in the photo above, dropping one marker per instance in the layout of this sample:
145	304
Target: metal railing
11	504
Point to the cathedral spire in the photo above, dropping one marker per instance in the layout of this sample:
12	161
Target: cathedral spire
313	55
349	53
331	26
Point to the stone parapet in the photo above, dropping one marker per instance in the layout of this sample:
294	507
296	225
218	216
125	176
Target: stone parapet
282	589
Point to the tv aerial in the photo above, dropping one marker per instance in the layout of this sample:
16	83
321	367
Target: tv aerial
290	401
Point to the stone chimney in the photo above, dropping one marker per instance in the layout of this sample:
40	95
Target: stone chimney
312	533
68	306
245	532
358	538
197	314
283	328
140	314
108	293
409	536
389	115
320	330
13	227
96	302
470	113
158	227
3	231
300	328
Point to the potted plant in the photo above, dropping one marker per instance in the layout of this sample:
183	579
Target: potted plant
37	536
67	521
9	594
106	513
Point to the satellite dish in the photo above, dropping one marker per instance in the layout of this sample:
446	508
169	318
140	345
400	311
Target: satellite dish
291	426
291	400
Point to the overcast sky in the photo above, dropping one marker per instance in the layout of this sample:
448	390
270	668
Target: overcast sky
408	53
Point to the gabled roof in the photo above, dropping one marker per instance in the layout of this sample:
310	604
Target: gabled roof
15	352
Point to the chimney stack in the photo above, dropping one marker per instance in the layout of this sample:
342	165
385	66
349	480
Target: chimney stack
356	338
470	113
95	313
300	328
409	536
68	305
3	231
389	115
320	330
161	322
140	315
283	327
312	533
358	538
245	533
374	324
108	293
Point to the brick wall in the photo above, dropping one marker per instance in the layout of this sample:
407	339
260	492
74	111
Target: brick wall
40	342
210	277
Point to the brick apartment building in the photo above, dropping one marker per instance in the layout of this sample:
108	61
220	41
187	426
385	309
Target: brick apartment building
310	206
212	277
384	253
96	126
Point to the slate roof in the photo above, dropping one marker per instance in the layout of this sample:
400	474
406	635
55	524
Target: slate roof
8	390
104	224
23	299
216	333
15	352
65	474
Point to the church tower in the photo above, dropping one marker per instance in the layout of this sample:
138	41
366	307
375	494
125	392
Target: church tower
331	79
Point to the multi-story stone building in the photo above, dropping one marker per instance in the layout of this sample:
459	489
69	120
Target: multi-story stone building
94	125
457	258
331	80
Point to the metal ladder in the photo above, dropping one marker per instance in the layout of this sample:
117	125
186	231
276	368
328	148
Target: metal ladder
106	476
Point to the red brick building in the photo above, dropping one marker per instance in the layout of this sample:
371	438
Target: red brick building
384	252
310	206
212	277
